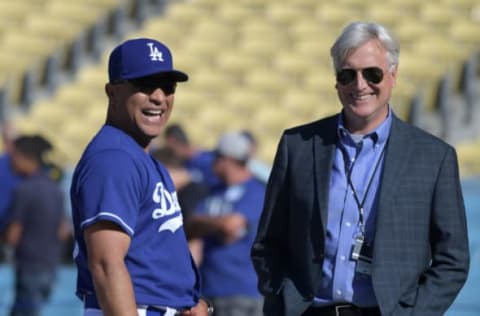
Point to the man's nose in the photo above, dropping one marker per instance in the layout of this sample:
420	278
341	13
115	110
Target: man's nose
360	81
158	95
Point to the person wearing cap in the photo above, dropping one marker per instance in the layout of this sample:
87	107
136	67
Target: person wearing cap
259	168
364	213
131	251
226	221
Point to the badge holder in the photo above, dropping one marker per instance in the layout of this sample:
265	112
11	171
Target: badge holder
362	254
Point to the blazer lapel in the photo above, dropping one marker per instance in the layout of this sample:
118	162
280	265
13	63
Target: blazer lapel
397	152
324	149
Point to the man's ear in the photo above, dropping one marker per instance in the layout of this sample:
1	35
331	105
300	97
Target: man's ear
109	90
394	74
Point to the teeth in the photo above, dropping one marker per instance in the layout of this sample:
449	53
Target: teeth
361	97
153	112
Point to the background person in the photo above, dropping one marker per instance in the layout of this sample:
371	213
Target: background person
259	169
364	214
36	226
227	221
9	179
199	162
189	193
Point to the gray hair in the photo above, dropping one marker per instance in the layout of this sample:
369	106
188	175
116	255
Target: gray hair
356	34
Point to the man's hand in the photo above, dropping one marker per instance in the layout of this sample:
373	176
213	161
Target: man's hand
201	309
228	227
232	226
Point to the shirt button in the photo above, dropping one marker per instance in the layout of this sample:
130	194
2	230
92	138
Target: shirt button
339	292
348	224
342	258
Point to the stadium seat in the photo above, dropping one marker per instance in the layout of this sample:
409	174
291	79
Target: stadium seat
411	6
261	49
269	120
336	15
204	51
15	10
233	63
185	13
259	28
437	15
469	153
306	4
410	32
463	6
285	14
307	29
466	34
263	80
20	77
77	11
232	12
306	104
64	32
321	79
162	30
250	59
387	14
440	50
208	30
244	103
293	65
206	81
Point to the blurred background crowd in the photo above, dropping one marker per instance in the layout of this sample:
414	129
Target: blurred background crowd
256	67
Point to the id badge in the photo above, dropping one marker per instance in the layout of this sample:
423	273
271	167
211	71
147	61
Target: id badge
357	247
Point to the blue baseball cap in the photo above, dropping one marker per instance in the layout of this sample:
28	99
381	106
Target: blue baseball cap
142	57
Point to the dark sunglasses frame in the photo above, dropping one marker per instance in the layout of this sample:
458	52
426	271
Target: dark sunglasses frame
148	85
373	75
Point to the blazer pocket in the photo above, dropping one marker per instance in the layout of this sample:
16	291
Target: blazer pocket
273	305
294	302
409	297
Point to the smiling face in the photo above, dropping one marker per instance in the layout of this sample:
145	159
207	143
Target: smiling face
365	104
141	107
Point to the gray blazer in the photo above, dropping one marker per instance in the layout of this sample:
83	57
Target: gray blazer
421	255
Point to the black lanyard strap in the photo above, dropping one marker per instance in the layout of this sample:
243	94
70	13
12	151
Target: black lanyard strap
361	203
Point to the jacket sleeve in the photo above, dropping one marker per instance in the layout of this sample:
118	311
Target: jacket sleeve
449	266
270	242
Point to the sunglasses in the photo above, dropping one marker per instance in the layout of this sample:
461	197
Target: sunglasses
148	85
371	74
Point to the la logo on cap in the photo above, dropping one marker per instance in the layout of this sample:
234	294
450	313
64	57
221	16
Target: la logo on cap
155	54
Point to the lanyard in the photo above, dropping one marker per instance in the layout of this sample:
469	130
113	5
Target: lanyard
361	203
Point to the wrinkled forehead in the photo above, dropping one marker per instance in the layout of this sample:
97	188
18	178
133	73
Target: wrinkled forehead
368	54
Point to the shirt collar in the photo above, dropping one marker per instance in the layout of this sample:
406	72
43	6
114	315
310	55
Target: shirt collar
379	135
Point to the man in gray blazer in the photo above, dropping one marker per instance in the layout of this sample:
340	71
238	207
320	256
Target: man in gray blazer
364	214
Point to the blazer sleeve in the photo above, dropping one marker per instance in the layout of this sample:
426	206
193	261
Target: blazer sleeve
449	266
266	252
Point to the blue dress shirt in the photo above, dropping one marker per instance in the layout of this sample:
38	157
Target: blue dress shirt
358	155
